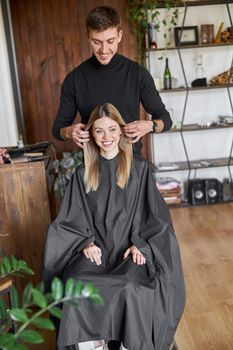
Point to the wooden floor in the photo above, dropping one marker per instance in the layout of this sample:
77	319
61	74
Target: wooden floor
205	234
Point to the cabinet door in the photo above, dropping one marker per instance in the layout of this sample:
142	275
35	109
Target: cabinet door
25	214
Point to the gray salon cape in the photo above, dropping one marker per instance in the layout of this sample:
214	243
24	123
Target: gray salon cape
142	304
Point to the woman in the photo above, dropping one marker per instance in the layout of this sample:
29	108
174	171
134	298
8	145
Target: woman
114	230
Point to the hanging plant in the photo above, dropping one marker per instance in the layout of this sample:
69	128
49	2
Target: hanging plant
139	11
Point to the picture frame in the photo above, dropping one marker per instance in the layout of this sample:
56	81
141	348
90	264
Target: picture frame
186	36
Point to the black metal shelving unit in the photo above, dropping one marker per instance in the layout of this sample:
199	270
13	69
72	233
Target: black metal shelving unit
189	165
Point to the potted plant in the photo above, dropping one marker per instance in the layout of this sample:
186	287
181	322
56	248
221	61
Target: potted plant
31	310
145	12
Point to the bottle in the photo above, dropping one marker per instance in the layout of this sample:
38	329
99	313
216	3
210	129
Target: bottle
167	79
152	36
199	67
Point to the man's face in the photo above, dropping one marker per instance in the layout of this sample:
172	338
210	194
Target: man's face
104	44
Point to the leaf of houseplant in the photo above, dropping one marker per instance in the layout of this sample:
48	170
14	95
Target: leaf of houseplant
57	288
39	298
55	311
14	262
27	294
2	269
44	323
22	266
14	297
78	289
97	299
40	286
69	288
7	264
17	347
31	336
88	290
6	340
18	315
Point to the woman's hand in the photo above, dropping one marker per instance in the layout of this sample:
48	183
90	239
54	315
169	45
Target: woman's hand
137	256
92	252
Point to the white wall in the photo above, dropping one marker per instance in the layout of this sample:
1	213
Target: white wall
8	126
202	106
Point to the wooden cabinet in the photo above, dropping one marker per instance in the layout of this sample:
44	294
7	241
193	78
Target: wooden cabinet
25	212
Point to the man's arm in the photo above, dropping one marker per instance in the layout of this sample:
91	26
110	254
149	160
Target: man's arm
63	129
67	109
152	102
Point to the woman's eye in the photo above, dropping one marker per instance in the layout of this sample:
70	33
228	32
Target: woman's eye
110	41
113	129
98	131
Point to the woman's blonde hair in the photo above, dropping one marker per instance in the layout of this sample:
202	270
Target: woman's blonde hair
92	153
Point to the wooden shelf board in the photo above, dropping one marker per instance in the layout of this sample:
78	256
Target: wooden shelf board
195	164
197	3
209	87
190	47
195	127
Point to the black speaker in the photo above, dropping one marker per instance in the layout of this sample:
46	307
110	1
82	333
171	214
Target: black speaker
212	191
196	191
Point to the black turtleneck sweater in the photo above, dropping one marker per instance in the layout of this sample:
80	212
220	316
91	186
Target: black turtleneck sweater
122	82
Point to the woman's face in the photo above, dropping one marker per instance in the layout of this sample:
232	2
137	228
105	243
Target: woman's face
106	133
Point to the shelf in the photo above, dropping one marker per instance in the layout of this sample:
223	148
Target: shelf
190	47
195	127
195	164
209	87
197	3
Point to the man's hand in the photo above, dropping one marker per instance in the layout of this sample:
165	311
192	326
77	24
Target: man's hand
77	133
135	130
137	256
92	252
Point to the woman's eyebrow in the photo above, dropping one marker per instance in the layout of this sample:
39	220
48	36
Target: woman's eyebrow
98	127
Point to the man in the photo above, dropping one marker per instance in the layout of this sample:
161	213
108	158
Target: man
108	77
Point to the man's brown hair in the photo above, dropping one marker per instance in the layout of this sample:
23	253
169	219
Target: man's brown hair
102	18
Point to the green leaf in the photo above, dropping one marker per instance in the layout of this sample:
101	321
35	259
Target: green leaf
6	340
19	315
56	311
27	270
22	265
14	297
3	312
14	262
57	288
40	286
78	289
97	299
2	269
88	290
39	298
49	298
18	347
44	323
27	294
7	264
31	336
69	288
